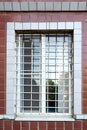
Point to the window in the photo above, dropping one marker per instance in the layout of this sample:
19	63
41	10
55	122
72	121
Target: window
43	70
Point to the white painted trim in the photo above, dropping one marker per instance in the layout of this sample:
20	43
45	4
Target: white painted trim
7	117
18	77
43	6
81	117
77	69
44	118
77	44
10	70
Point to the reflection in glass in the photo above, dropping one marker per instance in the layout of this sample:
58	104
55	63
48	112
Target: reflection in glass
58	72
30	80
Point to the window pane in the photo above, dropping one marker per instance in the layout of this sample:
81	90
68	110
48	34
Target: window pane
58	76
28	59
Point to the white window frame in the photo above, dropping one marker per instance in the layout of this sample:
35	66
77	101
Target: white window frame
11	91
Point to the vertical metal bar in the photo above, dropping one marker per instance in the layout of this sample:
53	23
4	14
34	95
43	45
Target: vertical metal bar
63	73
56	91
70	77
32	67
47	73
23	71
18	76
43	76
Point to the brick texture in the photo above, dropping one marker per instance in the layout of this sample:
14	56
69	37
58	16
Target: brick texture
19	125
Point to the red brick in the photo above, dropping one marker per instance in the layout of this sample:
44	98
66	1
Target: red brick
7	125
25	125
84	56
78	16
2	56
33	17
25	17
84	49
41	17
2	42
84	110
63	17
1	128
16	17
1	87
2	80
84	72
84	41
84	27
2	72
2	33
1	123
49	17
2	26
68	125
84	95
51	125
84	63
2	110
42	125
84	103
69	17
84	125
77	125
84	87
59	125
9	17
2	95
84	80
2	103
55	18
16	125
2	50
2	17
33	125
2	64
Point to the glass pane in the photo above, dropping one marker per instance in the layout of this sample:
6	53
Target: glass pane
58	77
29	58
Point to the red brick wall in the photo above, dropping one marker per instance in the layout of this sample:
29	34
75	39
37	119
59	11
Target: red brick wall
15	125
42	17
2	62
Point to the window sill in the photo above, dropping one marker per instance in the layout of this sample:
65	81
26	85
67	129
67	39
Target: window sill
44	118
81	117
9	117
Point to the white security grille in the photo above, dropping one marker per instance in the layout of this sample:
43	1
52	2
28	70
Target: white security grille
44	73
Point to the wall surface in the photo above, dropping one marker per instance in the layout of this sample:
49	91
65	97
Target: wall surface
41	17
15	125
